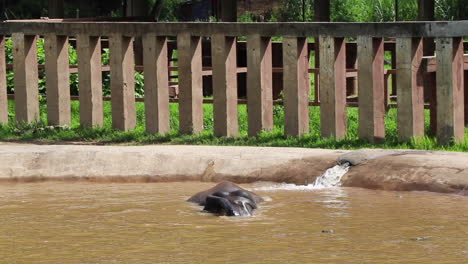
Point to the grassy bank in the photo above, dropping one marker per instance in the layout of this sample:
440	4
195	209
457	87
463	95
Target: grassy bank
106	135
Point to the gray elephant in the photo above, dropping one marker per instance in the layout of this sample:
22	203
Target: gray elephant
228	199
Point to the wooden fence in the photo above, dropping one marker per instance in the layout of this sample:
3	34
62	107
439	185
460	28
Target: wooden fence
414	63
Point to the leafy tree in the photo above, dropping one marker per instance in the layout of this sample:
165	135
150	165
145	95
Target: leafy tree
373	10
295	10
407	10
19	9
350	11
170	10
451	9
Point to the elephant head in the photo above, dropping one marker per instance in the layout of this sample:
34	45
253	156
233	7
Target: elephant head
227	199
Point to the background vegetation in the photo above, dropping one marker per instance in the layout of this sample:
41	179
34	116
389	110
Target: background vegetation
290	10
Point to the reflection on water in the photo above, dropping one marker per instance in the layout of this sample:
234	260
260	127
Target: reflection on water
152	223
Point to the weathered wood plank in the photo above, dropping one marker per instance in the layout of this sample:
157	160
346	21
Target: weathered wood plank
371	88
190	84
259	85
26	78
410	88
122	82
57	80
156	84
450	112
332	87
90	80
3	84
224	60
345	29
296	86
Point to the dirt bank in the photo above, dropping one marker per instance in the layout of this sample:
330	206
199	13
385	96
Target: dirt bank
377	169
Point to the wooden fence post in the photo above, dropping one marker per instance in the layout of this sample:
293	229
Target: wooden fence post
224	57
3	84
122	82
449	75
90	80
57	80
332	86
26	78
371	88
409	52
296	86
190	84
156	84
259	84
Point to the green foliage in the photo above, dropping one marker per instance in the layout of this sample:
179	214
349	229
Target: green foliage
40	131
105	60
73	60
9	60
170	11
292	10
408	10
246	17
105	56
371	10
26	9
451	9
363	10
384	10
139	85
41	60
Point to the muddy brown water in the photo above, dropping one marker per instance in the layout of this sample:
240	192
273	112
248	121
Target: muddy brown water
57	222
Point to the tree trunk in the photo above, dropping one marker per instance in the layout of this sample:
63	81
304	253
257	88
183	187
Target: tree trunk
426	10
137	8
228	10
156	10
56	8
322	10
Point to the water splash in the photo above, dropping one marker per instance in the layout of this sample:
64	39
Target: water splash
332	176
329	179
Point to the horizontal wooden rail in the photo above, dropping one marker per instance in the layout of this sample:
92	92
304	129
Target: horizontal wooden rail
211	101
309	29
209	70
430	63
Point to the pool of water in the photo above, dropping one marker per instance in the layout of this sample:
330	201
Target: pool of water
57	222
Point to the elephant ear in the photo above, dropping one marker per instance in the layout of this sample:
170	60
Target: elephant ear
199	198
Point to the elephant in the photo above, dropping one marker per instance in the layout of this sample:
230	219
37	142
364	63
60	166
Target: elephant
227	199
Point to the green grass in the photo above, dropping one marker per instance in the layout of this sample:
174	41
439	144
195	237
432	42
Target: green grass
107	135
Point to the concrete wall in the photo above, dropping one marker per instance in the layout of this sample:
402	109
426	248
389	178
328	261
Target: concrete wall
403	170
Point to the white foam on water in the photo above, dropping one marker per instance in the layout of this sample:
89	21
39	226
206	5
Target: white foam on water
329	179
332	177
